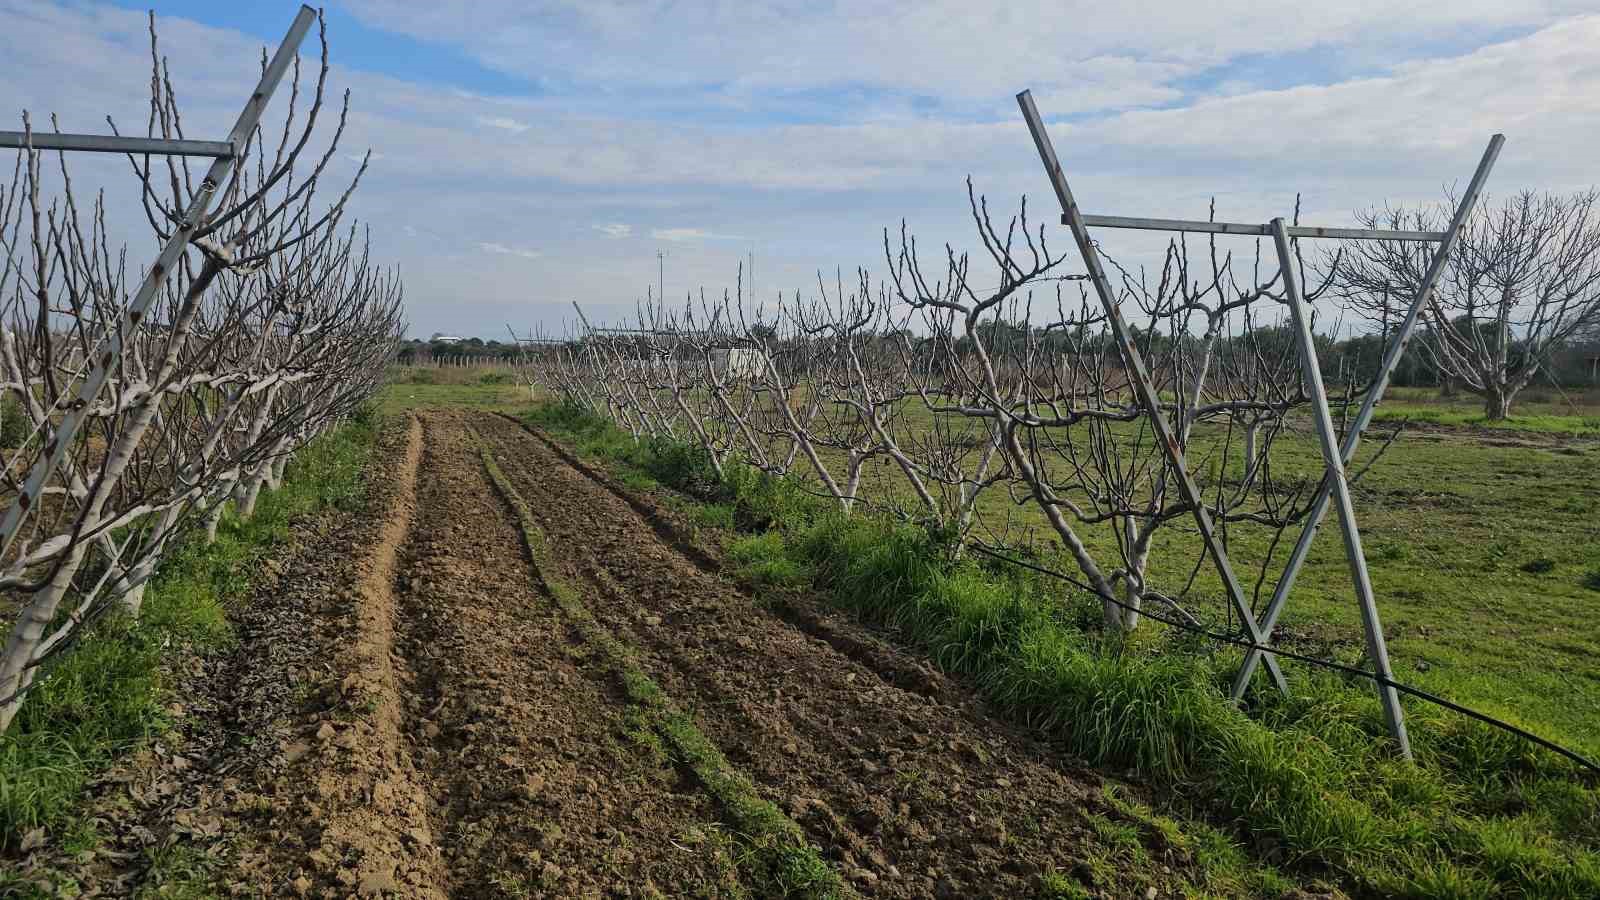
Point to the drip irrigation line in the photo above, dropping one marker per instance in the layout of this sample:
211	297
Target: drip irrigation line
1419	693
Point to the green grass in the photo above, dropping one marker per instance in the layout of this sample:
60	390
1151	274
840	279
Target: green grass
109	692
1549	423
1310	777
1448	521
1539	401
14	426
410	387
761	560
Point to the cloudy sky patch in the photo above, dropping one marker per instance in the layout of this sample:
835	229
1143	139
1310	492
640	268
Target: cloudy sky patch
529	155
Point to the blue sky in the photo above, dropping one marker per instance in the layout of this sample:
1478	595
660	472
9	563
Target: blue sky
530	154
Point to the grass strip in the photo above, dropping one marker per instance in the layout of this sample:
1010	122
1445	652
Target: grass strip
778	861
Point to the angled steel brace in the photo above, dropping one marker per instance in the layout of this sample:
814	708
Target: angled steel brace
1333	464
130	322
1352	439
1145	389
1335	486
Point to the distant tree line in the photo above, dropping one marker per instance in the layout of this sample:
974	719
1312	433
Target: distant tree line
416	352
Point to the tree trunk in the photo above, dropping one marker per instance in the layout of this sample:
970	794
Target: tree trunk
213	519
1496	404
133	600
1130	588
1252	443
16	669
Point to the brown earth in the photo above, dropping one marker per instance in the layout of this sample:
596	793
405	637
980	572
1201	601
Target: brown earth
895	773
409	714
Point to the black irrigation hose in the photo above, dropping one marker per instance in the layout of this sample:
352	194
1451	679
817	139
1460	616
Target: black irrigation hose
1420	694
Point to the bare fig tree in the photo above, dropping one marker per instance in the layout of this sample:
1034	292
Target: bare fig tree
1524	280
919	396
268	330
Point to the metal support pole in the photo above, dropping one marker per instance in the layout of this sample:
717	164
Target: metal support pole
1358	425
1333	464
1313	231
110	143
1143	387
130	322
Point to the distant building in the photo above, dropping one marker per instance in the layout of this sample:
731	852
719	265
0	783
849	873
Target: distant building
736	363
441	338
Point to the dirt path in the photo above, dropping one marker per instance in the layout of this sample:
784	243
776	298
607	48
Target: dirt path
422	708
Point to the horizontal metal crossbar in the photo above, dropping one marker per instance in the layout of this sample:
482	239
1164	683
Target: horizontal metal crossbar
106	143
1308	231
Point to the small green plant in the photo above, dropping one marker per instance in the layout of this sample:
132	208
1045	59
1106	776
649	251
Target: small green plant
763	560
681	465
713	515
14	426
1057	885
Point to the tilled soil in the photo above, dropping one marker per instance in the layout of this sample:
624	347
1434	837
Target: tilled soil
535	781
411	715
901	780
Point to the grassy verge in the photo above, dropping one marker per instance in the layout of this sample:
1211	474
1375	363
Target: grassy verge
776	859
1548	423
1308	781
410	387
112	690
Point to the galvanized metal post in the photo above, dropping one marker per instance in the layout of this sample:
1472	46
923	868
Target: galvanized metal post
1333	464
1316	231
1352	439
1145	390
109	143
100	368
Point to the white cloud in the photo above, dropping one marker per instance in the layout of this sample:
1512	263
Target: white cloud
684	235
812	191
524	252
1096	55
504	123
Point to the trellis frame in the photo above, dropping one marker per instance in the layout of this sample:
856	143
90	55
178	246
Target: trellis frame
225	155
1335	484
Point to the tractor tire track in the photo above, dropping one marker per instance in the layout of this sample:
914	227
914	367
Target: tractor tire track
534	768
349	812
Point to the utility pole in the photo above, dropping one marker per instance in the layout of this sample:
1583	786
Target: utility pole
661	274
